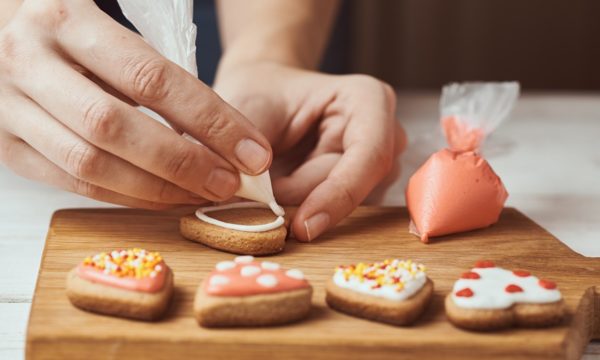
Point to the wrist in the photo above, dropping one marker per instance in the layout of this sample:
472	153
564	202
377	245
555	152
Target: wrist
249	56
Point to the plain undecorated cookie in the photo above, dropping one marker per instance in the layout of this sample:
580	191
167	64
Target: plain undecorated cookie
109	300
379	309
233	241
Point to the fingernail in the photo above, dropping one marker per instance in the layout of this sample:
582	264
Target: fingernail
221	182
252	155
316	224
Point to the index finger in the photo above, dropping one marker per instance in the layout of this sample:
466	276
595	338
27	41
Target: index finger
124	61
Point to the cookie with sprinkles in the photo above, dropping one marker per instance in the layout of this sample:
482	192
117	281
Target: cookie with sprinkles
246	292
392	291
132	283
489	298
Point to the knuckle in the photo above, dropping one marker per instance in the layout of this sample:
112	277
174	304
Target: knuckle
164	193
100	121
363	80
46	13
216	124
384	156
151	205
372	84
7	49
348	197
86	189
180	164
6	150
147	79
83	162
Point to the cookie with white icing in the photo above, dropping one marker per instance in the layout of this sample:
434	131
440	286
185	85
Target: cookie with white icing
131	283
489	297
245	228
245	292
393	291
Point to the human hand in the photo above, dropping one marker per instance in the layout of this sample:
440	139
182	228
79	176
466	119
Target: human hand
70	78
335	138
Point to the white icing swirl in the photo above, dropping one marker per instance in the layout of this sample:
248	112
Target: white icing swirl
489	291
201	214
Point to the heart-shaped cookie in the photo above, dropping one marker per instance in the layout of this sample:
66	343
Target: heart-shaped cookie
489	297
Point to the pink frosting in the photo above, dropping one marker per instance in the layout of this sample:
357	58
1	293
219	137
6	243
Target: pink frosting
238	285
454	192
145	284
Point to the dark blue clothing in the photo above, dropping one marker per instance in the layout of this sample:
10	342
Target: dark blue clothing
208	45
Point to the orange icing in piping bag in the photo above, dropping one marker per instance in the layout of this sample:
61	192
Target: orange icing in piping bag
456	189
454	192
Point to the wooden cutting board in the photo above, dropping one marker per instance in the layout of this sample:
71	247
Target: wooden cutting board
57	330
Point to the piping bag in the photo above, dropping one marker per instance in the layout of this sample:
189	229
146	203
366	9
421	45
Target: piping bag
456	190
168	26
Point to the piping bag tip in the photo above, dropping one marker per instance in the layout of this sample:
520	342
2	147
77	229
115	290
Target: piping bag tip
259	188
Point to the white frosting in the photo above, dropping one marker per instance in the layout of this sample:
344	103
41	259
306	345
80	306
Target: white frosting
267	280
489	290
201	214
244	259
295	274
413	278
268	265
216	280
250	270
225	265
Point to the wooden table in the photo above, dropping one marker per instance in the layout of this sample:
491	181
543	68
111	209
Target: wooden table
547	155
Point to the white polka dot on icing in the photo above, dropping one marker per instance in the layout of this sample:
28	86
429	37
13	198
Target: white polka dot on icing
268	265
244	259
250	270
295	274
225	265
267	280
219	280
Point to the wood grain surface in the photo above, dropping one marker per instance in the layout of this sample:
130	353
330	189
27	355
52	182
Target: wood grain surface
57	330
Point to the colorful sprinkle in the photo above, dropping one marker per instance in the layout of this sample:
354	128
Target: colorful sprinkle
391	272
137	263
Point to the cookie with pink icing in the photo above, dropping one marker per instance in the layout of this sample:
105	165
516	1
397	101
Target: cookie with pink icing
489	297
246	292
133	283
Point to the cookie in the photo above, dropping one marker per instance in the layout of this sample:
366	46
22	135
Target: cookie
393	291
132	283
245	292
257	230
490	298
